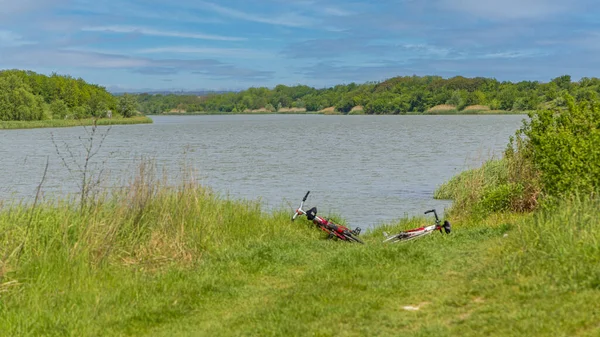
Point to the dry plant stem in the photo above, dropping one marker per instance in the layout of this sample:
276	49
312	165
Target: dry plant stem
87	183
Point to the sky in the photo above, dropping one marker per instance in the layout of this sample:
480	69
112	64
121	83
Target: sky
140	45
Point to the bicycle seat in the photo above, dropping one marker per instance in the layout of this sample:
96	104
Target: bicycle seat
311	213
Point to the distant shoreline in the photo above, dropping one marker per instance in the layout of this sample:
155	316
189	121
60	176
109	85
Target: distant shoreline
478	112
64	123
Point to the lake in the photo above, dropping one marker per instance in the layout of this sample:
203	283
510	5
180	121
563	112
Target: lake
368	169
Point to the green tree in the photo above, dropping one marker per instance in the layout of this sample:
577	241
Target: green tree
17	103
127	105
59	109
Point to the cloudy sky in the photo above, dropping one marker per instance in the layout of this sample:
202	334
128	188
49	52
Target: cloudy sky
235	44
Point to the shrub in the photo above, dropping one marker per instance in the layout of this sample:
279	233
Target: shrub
553	156
562	144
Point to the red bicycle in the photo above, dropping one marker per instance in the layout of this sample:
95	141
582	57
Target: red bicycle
412	234
332	229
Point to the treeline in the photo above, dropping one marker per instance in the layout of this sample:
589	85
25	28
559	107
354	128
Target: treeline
28	96
397	95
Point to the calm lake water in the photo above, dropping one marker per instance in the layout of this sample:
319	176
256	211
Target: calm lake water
369	169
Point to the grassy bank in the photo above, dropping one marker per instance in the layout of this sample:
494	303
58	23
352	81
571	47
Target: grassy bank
358	112
162	261
262	112
60	123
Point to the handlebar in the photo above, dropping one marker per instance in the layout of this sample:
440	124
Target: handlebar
296	213
306	196
434	213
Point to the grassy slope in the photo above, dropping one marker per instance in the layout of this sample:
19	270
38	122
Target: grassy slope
59	123
160	262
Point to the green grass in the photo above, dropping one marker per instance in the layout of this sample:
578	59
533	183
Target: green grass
60	123
162	261
470	188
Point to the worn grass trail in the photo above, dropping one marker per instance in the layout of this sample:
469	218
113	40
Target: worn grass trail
162	262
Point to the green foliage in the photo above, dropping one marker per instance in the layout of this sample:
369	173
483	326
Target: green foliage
345	105
79	112
59	109
24	95
398	95
127	105
553	156
269	107
16	100
563	145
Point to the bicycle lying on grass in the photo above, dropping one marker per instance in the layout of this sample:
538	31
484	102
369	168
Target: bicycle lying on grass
412	234
332	229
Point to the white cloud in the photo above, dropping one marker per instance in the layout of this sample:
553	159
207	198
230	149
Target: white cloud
336	11
241	53
290	19
155	32
508	9
514	54
35	57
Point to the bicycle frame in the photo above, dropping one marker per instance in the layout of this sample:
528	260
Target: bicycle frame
412	234
332	229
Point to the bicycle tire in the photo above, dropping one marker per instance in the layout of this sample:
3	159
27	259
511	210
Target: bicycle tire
351	237
447	227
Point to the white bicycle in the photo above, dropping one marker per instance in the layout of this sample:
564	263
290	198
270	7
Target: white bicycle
412	234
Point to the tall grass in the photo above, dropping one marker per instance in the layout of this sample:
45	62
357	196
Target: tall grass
149	222
162	260
468	189
499	185
560	245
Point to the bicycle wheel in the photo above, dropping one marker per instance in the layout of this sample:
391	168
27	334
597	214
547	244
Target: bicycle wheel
447	227
351	237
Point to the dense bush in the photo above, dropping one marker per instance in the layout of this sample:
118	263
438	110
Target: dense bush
564	145
554	155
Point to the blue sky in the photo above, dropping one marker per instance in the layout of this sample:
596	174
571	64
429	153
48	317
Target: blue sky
190	45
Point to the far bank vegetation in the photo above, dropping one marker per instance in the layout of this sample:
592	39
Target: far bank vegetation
28	96
398	95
